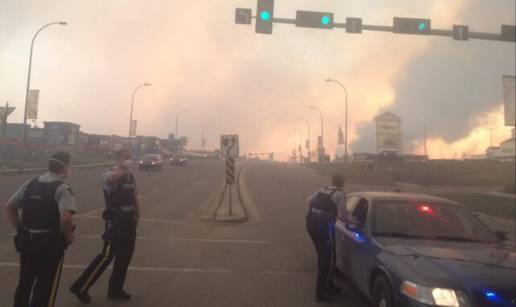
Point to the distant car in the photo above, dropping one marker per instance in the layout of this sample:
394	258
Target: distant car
151	162
177	160
419	250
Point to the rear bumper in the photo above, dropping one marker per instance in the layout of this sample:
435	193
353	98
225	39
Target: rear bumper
144	166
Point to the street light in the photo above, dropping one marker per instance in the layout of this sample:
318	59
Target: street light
346	116
203	141
132	105
322	128
177	131
423	118
308	138
24	135
300	145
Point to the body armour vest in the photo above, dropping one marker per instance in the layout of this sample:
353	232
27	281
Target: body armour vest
40	209
123	195
324	202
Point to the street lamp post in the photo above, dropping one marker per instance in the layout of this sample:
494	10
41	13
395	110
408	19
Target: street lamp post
132	105
300	148
203	141
308	138
24	134
177	126
322	128
346	116
423	118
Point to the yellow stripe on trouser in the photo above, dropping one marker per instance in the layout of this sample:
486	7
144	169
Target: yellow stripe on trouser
53	294
332	262
106	256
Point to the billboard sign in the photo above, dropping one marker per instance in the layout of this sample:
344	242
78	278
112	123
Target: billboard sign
32	104
61	134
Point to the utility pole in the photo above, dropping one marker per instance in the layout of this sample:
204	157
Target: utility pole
490	137
3	125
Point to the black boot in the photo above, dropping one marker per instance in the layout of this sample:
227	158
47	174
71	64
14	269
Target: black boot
119	295
83	297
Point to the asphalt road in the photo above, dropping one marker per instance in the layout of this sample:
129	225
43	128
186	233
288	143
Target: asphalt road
181	261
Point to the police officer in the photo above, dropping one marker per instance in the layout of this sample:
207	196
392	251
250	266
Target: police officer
121	217
44	231
320	223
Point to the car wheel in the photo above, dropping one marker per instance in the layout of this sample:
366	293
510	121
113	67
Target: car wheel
381	293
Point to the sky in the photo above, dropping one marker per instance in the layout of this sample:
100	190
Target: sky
255	85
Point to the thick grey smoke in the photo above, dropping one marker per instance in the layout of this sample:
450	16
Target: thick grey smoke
451	83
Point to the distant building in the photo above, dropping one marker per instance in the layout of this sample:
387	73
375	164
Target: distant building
388	133
506	152
492	151
63	136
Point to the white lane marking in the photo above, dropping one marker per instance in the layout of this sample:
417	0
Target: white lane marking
192	240
140	220
158	189
176	270
90	213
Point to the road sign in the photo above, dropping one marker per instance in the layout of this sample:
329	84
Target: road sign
230	170
411	26
264	16
309	19
32	106
9	111
508	33
243	16
229	146
353	25
460	33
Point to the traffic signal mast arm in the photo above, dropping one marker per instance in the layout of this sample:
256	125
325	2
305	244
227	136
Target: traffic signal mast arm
411	26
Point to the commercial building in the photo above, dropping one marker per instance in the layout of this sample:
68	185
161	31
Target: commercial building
388	133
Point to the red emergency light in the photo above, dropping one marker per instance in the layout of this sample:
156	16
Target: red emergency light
425	209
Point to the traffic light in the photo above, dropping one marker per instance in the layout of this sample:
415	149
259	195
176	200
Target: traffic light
320	20
411	26
264	16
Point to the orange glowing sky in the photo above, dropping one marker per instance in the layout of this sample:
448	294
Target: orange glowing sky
255	85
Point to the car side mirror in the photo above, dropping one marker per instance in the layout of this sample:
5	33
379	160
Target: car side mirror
502	235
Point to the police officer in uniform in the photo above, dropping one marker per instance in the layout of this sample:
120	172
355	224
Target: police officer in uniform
121	217
44	231
320	222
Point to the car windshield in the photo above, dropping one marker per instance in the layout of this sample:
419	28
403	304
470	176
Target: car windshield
428	221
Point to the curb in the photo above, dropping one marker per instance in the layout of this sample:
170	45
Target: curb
208	211
237	211
245	199
40	169
502	194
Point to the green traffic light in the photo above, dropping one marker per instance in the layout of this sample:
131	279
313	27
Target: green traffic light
265	15
325	20
422	26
